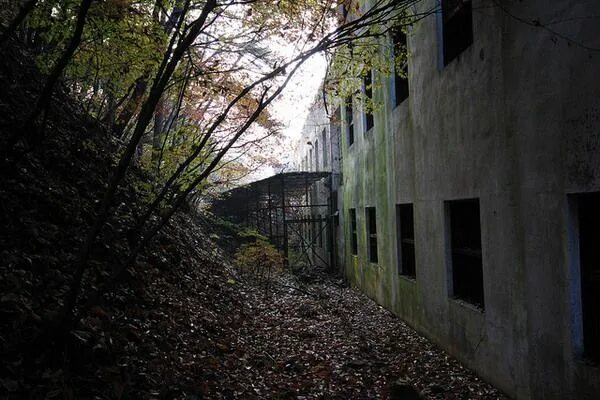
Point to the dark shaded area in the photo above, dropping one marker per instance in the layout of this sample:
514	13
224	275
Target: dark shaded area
136	342
406	234
350	122
399	41
458	27
589	247
371	217
368	84
465	238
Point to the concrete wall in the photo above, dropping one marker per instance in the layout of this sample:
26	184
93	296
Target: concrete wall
515	122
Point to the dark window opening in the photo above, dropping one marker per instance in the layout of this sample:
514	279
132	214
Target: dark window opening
353	233
372	233
325	148
368	83
350	121
465	239
589	258
317	166
400	71
336	138
457	27
406	240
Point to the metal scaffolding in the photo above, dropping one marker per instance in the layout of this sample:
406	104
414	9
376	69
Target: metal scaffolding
282	208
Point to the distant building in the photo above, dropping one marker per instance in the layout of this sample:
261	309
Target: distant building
469	202
319	150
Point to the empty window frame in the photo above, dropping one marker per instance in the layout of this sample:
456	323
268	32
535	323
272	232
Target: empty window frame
406	240
368	107
317	167
588	208
325	148
465	249
371	217
349	121
457	20
335	135
400	44
353	232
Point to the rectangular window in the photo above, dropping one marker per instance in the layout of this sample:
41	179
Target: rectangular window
406	240
588	206
457	20
336	142
368	83
372	233
350	121
400	43
465	242
325	149
353	233
316	155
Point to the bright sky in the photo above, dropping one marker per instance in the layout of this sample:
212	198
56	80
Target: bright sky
291	109
292	106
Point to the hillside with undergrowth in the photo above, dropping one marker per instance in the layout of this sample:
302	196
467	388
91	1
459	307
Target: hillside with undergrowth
47	203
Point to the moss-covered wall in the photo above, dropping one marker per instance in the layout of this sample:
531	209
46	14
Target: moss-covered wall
510	122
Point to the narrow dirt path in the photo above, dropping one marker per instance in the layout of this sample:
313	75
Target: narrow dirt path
326	341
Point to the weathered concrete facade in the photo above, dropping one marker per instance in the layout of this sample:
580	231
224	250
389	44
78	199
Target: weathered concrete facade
514	122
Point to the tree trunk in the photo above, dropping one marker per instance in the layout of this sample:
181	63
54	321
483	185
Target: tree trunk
157	132
63	61
131	106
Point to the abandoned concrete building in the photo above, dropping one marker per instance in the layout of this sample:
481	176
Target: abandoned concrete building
468	203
